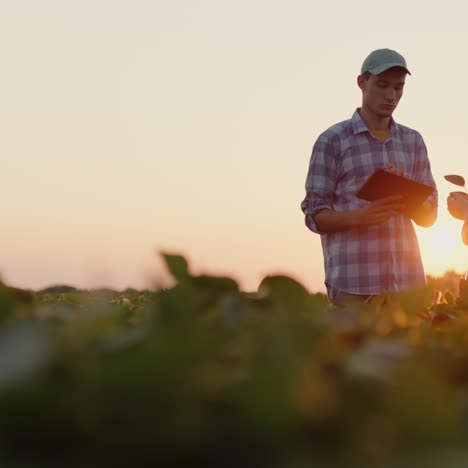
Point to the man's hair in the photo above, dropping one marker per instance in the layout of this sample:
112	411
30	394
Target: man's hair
366	75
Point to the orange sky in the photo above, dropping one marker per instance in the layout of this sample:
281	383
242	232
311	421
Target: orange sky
131	127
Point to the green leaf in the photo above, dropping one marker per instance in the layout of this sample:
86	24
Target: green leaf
284	290
455	179
215	283
177	266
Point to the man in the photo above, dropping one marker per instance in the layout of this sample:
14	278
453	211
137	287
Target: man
369	247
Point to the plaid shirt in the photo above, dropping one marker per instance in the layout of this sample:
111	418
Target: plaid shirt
366	259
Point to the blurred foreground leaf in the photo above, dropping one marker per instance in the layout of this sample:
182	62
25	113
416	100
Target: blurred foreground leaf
177	266
203	374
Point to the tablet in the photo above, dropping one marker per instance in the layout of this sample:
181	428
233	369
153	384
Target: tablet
384	184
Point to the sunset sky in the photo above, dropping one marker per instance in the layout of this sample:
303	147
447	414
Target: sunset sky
133	127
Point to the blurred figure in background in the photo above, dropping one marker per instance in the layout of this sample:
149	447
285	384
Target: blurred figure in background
457	204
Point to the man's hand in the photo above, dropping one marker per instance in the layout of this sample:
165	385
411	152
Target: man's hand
424	215
380	211
390	167
374	213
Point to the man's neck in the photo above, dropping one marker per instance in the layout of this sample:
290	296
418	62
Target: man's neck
374	122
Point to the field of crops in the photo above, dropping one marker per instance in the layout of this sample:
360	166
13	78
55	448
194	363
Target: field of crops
202	374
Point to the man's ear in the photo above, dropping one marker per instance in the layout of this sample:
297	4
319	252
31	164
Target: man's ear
361	82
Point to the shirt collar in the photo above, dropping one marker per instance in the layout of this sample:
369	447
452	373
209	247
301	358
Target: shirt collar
359	126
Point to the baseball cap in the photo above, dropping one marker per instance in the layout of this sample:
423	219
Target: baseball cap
382	59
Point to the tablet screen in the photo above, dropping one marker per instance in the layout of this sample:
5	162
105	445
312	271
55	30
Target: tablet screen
384	184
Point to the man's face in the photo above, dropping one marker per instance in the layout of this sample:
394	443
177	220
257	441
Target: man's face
382	93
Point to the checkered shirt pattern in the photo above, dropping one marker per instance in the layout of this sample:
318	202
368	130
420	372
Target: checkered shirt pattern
367	259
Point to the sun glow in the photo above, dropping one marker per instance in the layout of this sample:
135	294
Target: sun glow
442	248
444	240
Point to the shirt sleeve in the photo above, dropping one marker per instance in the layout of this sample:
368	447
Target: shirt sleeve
422	169
320	181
